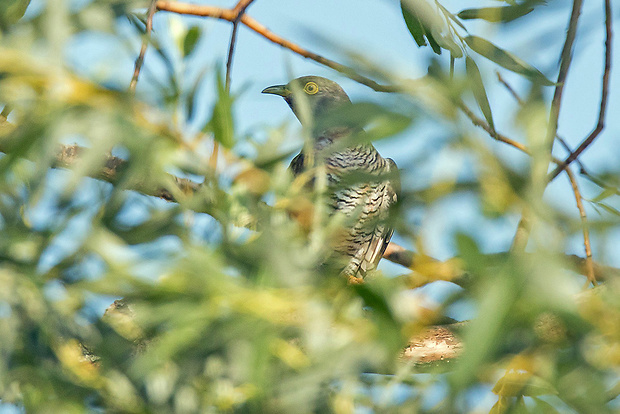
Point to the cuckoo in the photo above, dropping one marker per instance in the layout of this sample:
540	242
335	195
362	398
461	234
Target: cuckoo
361	184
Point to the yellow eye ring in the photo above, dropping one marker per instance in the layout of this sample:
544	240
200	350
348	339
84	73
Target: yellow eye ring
311	88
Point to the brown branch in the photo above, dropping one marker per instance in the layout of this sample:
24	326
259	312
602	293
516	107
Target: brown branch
604	97
69	156
565	61
230	15
434	344
494	134
145	42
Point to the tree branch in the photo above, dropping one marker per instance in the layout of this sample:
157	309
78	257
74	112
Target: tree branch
565	61
230	15
240	9
604	97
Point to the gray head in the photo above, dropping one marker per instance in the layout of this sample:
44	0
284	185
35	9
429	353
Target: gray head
319	94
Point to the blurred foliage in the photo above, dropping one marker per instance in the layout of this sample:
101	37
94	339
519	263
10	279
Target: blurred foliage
235	311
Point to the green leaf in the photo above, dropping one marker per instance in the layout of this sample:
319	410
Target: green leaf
418	29
191	39
138	20
608	192
506	60
544	407
11	11
496	14
473	73
191	98
221	123
609	209
376	121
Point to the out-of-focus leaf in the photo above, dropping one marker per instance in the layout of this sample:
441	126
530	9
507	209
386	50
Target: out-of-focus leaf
377	121
496	14
544	407
191	98
221	123
473	73
191	40
501	406
11	11
506	60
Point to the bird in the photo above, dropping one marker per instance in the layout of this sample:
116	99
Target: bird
361	184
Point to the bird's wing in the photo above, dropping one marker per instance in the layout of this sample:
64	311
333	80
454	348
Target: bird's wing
382	232
297	164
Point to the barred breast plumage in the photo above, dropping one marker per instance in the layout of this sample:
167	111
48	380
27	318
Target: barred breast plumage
362	185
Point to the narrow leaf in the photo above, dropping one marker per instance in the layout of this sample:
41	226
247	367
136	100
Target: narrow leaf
191	39
414	25
608	192
191	98
496	14
505	59
221	123
473	73
417	22
609	209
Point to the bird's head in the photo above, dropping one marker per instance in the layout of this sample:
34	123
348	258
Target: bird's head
311	97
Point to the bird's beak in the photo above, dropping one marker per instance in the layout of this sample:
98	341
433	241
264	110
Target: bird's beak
280	90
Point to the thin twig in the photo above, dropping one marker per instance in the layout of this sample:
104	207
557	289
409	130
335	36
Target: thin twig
604	97
509	88
494	134
230	15
565	61
563	142
145	42
240	9
584	224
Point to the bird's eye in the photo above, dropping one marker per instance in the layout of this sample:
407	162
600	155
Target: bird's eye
311	88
